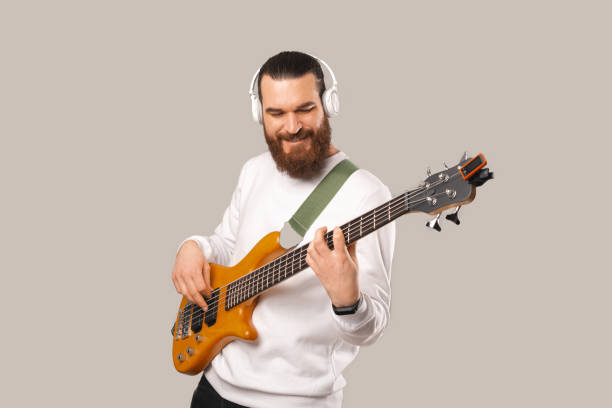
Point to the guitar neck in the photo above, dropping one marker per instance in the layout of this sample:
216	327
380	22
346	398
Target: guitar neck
294	261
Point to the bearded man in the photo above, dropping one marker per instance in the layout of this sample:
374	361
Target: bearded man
303	345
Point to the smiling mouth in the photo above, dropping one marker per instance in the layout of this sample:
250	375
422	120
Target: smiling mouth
295	140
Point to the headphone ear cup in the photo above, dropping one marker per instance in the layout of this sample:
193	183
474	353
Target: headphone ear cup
331	102
256	109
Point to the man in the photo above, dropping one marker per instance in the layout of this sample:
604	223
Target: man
303	345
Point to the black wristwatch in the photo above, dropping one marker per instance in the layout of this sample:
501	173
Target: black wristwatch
345	310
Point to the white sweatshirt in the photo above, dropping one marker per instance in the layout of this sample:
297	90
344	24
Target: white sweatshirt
303	346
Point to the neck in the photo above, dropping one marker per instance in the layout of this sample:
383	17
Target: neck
332	150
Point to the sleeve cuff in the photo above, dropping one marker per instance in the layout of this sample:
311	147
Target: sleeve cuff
352	322
202	243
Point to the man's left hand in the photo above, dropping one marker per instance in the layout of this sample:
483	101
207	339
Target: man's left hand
337	269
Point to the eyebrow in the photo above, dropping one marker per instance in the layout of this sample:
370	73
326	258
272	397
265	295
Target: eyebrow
302	106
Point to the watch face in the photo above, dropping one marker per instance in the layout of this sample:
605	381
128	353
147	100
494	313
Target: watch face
348	309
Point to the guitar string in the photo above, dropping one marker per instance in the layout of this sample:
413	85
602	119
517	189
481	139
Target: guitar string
352	227
198	315
401	199
372	214
274	268
246	286
254	276
277	268
397	200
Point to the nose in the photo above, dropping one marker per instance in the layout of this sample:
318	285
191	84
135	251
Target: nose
292	124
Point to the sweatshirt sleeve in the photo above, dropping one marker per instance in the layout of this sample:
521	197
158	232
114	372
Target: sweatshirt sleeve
374	257
219	247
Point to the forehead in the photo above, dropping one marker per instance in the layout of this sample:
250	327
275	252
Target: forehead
289	92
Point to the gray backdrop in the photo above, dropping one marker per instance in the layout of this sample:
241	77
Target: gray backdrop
123	128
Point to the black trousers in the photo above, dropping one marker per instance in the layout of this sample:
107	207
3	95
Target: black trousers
205	396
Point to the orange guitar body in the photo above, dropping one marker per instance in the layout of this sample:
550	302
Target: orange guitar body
191	355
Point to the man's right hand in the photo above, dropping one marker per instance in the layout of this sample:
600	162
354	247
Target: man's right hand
191	274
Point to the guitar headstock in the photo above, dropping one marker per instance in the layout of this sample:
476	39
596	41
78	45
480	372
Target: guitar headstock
452	187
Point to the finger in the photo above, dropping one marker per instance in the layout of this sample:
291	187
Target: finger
206	276
312	258
352	250
199	300
320	243
311	255
339	243
182	287
312	263
198	281
196	296
175	282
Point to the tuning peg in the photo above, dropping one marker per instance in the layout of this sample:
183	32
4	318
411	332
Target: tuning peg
445	166
482	176
454	217
435	223
428	171
464	155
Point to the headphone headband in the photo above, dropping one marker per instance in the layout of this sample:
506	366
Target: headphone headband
331	103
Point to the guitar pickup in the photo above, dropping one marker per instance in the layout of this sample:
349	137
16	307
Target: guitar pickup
471	167
213	304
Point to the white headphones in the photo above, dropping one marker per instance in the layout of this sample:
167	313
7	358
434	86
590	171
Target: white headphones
331	102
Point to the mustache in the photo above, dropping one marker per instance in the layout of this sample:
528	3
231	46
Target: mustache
300	134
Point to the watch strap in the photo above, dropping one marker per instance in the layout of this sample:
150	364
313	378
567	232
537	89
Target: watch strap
345	310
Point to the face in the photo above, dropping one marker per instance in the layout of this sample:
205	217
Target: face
295	126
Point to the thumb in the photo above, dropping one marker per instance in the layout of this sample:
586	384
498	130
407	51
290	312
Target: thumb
352	250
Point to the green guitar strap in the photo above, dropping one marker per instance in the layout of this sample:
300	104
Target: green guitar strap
321	196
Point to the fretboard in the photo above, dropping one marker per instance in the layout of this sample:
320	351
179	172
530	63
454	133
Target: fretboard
292	262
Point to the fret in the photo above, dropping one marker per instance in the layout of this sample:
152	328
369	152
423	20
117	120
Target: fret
349	233
277	271
277	275
361	226
286	264
274	272
293	262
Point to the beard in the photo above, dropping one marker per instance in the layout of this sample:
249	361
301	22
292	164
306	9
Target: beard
301	161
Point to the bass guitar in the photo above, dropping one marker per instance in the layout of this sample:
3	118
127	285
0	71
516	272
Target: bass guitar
199	336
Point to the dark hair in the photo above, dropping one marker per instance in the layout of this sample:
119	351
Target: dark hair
291	64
